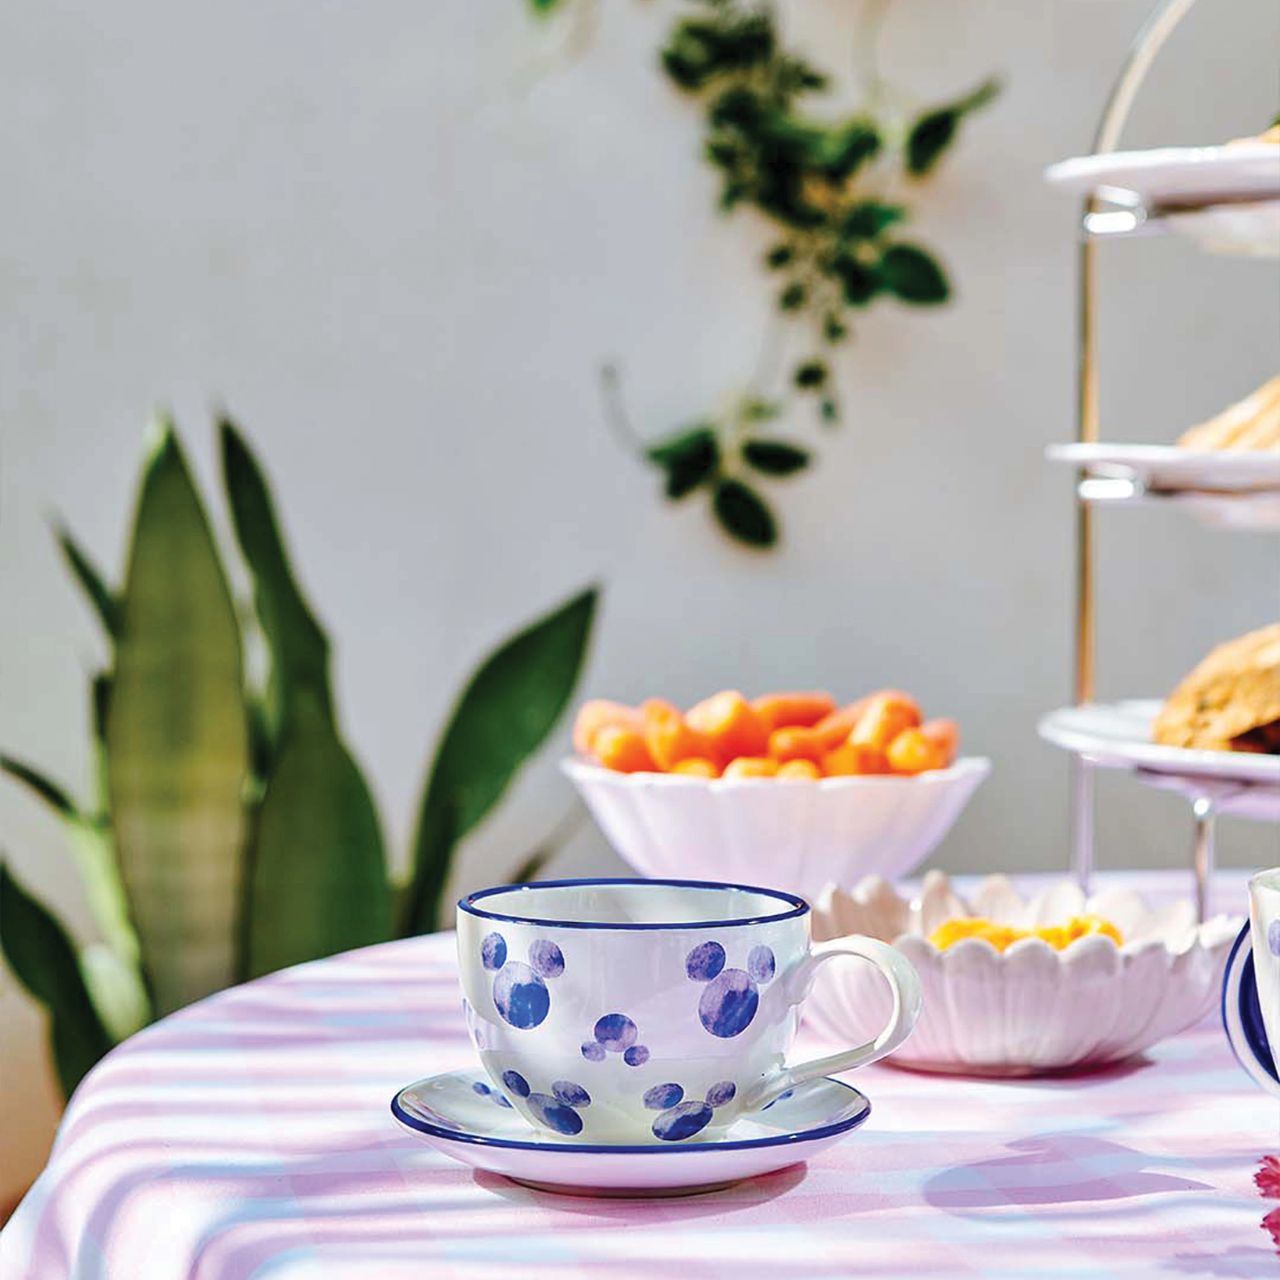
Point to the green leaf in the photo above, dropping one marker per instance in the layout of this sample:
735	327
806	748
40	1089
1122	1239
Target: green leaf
673	447
743	514
868	219
861	282
914	275
779	256
177	740
510	705
811	375
299	647
841	153
318	875
793	297
52	794
689	458
95	858
834	329
91	581
44	961
775	457
117	990
830	412
935	130
543	7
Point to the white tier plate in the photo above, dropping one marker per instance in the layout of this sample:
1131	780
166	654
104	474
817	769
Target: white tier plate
1177	176
1118	735
1173	470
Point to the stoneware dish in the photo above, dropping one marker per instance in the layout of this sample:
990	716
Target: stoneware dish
1251	988
796	835
1031	1009
652	1011
463	1116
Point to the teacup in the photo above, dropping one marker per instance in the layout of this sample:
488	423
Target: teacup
1251	988
648	1011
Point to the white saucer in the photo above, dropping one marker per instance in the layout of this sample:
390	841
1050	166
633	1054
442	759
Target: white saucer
462	1115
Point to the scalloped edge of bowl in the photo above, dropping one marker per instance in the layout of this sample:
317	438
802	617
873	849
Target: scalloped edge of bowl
984	1010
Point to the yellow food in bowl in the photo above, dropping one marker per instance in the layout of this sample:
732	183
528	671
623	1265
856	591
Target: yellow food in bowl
1003	936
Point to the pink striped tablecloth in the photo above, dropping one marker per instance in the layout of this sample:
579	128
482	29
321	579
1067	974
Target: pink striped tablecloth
249	1136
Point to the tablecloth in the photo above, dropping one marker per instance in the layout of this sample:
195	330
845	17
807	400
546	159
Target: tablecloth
249	1136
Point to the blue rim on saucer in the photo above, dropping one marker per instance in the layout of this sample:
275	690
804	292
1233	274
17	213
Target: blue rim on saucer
796	906
1242	1014
447	1132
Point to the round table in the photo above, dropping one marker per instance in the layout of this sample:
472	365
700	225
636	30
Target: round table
249	1136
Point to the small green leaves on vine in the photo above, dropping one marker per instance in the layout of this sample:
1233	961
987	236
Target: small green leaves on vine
775	457
812	178
836	243
743	514
714	456
689	458
934	131
811	375
914	275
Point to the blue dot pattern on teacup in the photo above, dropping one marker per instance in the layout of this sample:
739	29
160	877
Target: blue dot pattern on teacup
615	1033
519	993
485	1091
681	1118
732	997
1273	937
558	1110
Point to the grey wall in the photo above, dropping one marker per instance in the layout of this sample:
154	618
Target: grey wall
396	244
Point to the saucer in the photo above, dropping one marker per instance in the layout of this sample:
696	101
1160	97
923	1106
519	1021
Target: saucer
467	1118
1242	1016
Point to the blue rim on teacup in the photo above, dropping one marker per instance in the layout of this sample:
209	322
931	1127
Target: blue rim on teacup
796	904
1242	1013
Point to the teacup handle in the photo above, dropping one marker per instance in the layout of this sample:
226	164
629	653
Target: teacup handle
903	982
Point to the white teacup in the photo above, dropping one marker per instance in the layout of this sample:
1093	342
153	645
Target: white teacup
1251	988
647	1011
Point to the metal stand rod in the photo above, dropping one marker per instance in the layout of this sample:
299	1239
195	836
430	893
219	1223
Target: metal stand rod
1082	822
1142	53
1202	853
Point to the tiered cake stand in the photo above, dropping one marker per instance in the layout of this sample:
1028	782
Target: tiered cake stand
1226	198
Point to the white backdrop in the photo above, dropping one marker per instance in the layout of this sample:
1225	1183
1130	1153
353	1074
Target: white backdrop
399	261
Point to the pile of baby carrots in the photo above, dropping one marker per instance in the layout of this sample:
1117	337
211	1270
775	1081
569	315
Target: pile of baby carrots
778	735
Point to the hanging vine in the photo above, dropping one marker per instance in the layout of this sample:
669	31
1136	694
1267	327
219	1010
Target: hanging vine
836	195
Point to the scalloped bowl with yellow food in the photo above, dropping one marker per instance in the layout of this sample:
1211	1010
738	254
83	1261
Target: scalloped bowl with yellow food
1018	986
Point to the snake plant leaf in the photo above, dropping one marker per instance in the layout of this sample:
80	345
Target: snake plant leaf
94	853
318	875
50	792
508	708
176	739
299	647
94	585
115	986
44	961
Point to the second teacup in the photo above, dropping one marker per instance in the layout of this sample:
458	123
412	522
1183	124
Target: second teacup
650	1011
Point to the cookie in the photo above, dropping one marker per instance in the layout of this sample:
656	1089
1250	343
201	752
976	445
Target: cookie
1231	701
1251	424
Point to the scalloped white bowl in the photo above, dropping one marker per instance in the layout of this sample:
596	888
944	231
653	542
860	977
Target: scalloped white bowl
1030	1009
794	835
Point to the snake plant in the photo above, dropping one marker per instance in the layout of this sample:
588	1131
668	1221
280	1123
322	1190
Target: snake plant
231	830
